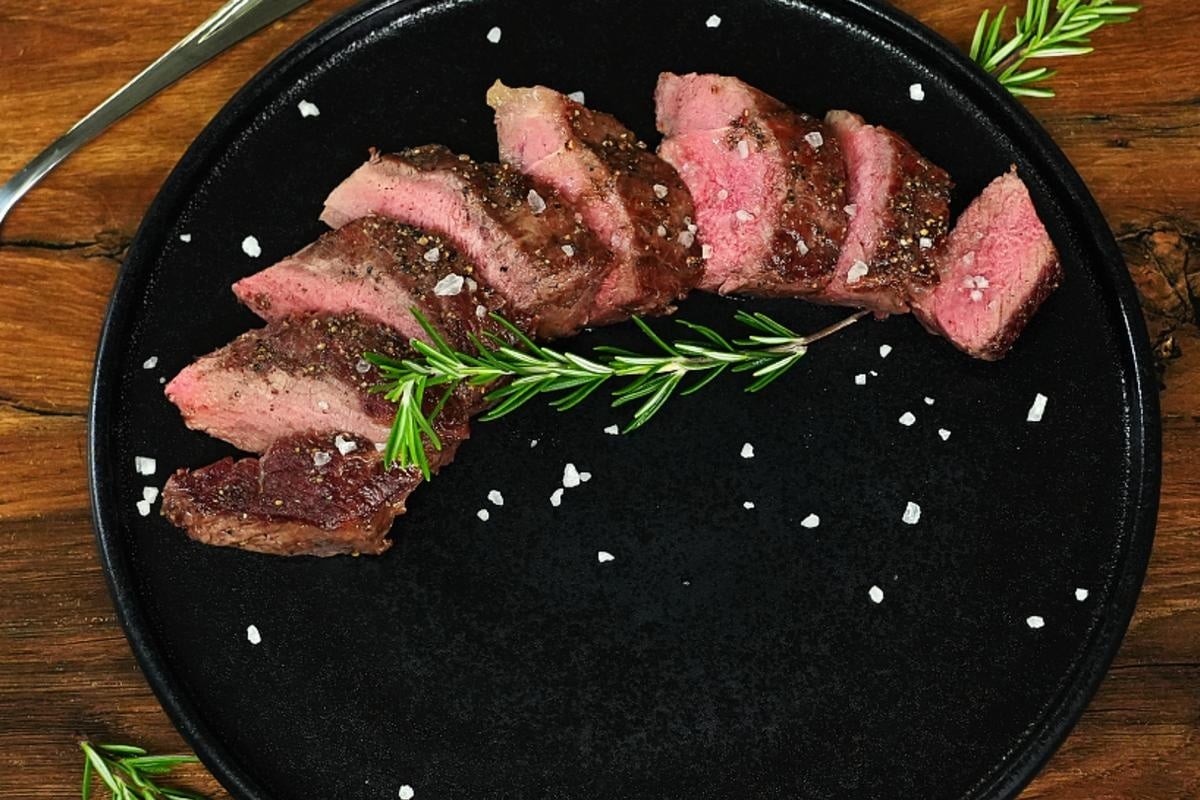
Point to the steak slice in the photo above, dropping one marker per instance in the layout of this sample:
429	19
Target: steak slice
901	212
310	493
378	269
524	240
997	266
296	374
630	198
768	183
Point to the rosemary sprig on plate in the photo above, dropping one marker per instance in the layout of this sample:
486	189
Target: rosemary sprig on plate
526	370
1048	29
129	772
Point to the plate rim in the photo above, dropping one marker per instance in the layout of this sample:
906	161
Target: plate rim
1005	778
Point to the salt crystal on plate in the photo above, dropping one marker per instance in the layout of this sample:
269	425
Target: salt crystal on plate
150	363
570	477
706	251
876	594
1037	409
432	255
483	514
576	96
556	498
495	498
493	36
851	210
747	450
873	374
916	92
149	493
480	311
536	203
344	445
143	465
585	476
925	242
449	286
912	513
713	22
861	379
1081	594
532	443
945	434
660	191
1035	622
885	350
568	250
811	521
743	148
406	792
250	247
802	247
185	237
612	430
321	458
929	401
252	634
604	555
907	418
308	109
162	380
748	505
686	238
857	272
814	139
362	366
143	507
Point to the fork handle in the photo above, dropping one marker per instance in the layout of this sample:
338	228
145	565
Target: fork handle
231	23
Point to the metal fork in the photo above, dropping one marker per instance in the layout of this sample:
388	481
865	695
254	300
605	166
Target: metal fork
233	22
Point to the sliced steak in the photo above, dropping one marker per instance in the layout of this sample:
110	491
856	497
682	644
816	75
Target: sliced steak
296	374
525	242
900	213
768	183
997	266
378	269
310	493
632	199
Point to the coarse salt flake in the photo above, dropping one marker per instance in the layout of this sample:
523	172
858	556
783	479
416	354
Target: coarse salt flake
912	513
251	247
873	374
706	251
407	793
743	148
944	433
747	450
144	465
929	401
449	286
344	445
748	505
810	522
568	250
814	139
323	405
308	109
603	556
851	210
576	96
321	458
925	242
723	194
660	191
483	514
1037	409
916	92
661	231
876	594
885	350
362	366
252	634
143	507
1081	594
585	476
713	22
687	238
556	498
185	237
532	443
976	295
860	379
493	35
536	203
432	255
857	272
150	363
612	430
149	493
1035	622
570	477
907	419
802	247
495	498
480	311
380	447
743	215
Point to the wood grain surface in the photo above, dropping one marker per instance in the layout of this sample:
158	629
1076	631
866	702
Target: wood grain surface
1128	117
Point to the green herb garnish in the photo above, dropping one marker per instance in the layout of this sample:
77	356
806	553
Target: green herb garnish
128	772
1048	29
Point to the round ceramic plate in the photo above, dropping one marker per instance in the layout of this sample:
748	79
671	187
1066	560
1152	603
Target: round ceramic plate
727	650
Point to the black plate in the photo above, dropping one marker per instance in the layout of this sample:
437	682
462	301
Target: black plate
725	652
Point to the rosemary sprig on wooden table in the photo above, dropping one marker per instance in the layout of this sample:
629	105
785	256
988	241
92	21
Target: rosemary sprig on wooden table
1048	29
128	772
528	369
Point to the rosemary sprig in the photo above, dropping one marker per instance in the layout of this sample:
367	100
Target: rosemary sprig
1048	29
526	369
129	772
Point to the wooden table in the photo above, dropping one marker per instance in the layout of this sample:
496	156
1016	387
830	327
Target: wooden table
1128	117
